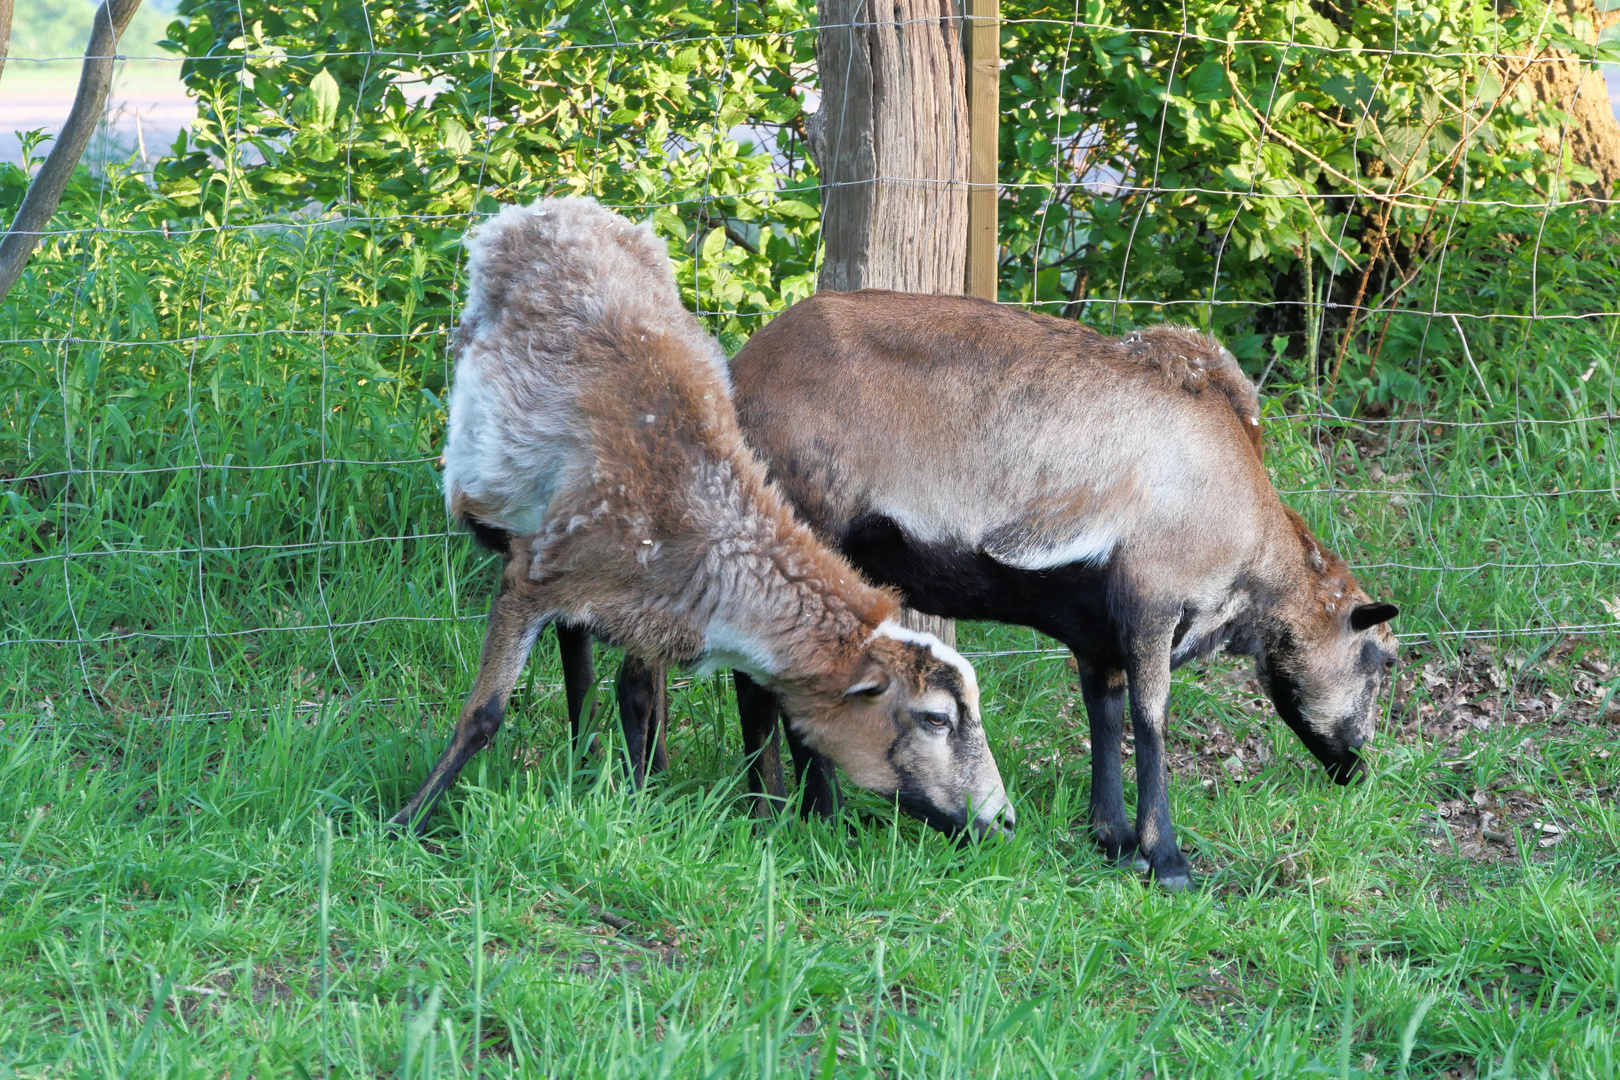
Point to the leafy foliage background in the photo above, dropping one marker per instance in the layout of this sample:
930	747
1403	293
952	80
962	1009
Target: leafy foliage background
1266	171
220	413
244	349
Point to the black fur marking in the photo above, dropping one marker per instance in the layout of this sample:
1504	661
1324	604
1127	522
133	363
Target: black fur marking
1073	603
925	811
911	800
489	537
1342	763
1188	613
486	721
1365	615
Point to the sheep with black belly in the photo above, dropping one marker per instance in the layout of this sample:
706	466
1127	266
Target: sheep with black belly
996	464
592	443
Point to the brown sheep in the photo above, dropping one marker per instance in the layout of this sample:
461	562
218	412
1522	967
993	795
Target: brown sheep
592	443
995	464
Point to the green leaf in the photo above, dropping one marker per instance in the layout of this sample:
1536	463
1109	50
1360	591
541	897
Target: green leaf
1207	82
712	244
1353	90
456	139
796	208
323	97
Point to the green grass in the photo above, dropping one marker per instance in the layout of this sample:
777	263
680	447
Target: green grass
218	680
200	897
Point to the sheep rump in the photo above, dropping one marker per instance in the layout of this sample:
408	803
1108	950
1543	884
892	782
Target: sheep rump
545	281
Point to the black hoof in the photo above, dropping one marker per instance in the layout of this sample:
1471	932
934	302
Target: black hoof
1174	882
1170	871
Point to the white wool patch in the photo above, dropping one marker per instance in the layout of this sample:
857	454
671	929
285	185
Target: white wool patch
517	433
512	473
1092	545
725	645
891	628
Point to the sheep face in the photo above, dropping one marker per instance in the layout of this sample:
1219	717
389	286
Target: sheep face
1327	687
904	722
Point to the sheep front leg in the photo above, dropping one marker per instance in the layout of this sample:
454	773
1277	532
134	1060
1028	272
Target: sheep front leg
1104	691
515	620
579	675
1150	699
819	794
757	711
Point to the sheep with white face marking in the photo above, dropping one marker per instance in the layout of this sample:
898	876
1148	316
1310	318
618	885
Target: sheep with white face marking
995	464
593	444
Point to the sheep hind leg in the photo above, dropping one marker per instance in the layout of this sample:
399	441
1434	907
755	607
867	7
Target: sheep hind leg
1104	691
515	620
579	678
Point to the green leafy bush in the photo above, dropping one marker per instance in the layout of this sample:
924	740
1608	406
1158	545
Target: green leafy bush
414	116
1271	170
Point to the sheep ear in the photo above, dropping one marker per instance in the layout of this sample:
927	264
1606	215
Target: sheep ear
1365	615
872	683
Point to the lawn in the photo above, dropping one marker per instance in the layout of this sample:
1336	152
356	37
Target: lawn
235	632
215	896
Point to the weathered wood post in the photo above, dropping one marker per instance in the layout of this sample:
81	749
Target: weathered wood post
892	139
983	41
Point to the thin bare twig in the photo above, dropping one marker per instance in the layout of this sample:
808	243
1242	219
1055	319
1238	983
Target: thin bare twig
1355	307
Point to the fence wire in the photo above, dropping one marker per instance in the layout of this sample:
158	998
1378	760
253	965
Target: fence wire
221	429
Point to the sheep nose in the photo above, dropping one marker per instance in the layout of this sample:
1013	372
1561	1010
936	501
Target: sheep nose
999	822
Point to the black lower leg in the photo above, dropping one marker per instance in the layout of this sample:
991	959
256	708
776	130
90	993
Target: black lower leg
1156	836
473	732
1104	691
638	702
819	794
579	675
514	621
756	713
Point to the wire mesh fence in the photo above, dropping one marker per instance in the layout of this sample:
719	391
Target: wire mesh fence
224	376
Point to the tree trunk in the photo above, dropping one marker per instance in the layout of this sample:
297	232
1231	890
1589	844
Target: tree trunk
891	142
46	189
5	33
1591	134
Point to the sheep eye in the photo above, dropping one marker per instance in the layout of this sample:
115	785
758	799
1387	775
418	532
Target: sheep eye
935	720
1389	664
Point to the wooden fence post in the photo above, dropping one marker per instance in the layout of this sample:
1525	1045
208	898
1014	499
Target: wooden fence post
983	41
891	141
